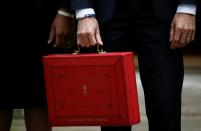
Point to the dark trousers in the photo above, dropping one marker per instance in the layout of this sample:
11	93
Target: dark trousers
161	68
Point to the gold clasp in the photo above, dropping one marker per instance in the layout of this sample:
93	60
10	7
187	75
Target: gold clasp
99	51
76	51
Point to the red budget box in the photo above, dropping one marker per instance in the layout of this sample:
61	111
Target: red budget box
91	89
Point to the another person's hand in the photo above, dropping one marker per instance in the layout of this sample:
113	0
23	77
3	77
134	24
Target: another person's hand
88	33
182	30
61	32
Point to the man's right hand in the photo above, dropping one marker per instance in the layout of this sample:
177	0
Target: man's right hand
61	32
88	33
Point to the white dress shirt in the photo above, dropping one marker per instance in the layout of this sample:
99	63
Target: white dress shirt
182	8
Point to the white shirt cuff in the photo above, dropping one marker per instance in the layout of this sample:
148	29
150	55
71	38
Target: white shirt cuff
80	13
186	8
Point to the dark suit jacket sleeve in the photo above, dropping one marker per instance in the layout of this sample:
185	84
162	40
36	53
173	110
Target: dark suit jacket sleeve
188	2
64	4
81	4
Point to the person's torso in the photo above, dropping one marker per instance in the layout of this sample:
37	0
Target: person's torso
164	9
26	21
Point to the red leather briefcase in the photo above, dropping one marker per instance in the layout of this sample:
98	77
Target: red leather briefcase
91	89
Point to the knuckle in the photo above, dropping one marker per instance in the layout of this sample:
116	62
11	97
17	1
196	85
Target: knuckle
88	33
176	40
186	29
84	33
179	27
192	29
87	46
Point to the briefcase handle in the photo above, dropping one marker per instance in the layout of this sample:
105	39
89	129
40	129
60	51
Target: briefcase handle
99	50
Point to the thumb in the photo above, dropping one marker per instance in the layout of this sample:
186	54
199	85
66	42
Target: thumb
172	31
98	37
52	35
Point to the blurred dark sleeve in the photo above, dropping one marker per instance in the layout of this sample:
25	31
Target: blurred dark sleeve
65	5
198	17
187	1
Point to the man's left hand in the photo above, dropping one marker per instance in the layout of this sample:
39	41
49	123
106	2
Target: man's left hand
182	30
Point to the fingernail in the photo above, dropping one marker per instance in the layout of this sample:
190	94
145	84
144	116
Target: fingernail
101	43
